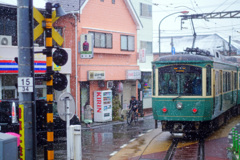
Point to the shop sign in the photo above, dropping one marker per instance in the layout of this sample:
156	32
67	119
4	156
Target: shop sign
96	75
142	55
133	74
86	46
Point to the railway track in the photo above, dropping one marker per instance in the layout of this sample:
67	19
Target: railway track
195	151
171	149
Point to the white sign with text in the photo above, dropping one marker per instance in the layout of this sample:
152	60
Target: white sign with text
142	55
25	84
133	74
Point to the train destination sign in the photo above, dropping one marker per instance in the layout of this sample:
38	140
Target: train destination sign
180	69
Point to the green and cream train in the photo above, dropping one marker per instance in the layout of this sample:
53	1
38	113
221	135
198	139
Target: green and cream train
194	93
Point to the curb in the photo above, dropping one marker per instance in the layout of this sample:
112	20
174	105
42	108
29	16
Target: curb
100	124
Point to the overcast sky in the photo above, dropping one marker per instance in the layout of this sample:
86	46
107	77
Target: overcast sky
171	25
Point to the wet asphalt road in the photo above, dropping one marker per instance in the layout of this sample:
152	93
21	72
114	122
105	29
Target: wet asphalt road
101	141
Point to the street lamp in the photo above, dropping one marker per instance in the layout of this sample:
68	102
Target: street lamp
183	12
185	7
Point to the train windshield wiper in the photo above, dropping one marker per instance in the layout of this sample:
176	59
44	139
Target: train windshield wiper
176	97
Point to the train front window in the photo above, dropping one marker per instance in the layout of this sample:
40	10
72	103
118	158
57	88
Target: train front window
180	80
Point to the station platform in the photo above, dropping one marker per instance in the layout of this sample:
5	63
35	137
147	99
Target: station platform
155	144
147	114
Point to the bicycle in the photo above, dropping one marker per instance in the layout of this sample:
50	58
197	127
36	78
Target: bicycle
132	116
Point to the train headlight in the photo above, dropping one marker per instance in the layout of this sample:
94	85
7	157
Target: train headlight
179	105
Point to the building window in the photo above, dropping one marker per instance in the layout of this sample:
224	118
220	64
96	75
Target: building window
102	40
8	27
145	10
147	46
113	1
127	43
8	84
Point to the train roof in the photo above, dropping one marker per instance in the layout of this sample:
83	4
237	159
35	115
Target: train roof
183	58
190	58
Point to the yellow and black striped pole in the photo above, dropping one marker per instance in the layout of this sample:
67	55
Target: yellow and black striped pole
49	74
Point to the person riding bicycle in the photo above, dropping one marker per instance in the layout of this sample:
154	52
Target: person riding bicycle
133	104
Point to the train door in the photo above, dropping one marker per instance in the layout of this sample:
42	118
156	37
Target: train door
220	90
235	88
232	87
214	91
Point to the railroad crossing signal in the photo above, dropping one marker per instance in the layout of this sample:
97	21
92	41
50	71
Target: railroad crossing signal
54	80
40	28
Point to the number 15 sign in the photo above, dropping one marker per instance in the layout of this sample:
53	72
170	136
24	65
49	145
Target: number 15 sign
25	84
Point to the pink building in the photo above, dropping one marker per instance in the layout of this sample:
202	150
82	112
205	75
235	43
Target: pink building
113	25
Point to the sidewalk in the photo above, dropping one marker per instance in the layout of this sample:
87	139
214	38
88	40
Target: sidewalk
99	124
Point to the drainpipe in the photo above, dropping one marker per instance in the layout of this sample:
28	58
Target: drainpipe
76	76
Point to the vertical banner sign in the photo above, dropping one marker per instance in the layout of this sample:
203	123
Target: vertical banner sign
21	132
99	102
142	55
86	46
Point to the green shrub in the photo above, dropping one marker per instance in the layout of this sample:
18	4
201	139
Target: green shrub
116	108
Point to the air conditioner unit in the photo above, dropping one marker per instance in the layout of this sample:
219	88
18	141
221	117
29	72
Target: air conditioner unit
109	84
5	40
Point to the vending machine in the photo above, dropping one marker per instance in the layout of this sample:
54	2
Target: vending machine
103	106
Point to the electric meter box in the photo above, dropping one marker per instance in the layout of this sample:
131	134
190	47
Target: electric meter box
8	147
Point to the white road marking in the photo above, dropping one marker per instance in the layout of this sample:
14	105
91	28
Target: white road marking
140	135
123	146
149	130
112	154
132	140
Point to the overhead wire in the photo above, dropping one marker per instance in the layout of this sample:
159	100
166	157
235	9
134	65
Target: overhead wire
219	6
218	28
230	5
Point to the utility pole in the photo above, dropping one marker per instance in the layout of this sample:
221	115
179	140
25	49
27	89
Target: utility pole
229	45
26	80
